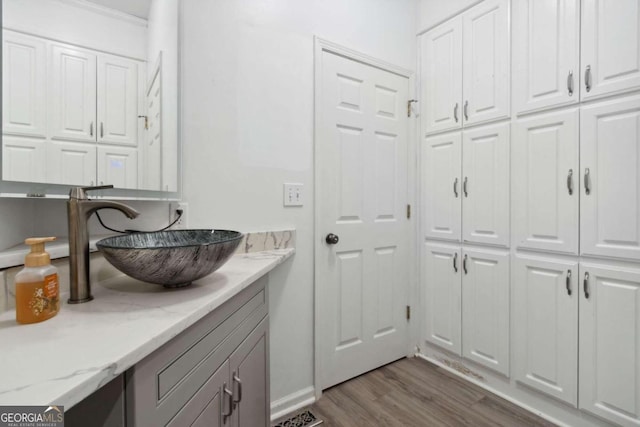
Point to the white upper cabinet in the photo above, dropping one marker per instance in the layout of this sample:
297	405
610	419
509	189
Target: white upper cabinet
442	186
546	182
609	345
118	166
117	100
485	185
610	194
23	159
546	47
24	61
610	54
71	163
486	62
73	94
441	64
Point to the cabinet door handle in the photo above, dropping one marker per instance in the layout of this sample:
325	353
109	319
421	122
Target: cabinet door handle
455	112
455	187
464	264
570	181
568	283
91	129
464	187
236	380
586	285
455	262
229	398
587	78
587	187
101	130
570	83
466	110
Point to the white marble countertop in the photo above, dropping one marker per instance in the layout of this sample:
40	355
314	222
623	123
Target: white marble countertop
64	359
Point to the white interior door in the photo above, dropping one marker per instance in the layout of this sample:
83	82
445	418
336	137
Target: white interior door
361	164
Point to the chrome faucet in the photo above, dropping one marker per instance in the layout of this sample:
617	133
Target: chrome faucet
79	209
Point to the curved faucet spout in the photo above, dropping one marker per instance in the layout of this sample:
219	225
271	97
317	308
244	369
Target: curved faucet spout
90	206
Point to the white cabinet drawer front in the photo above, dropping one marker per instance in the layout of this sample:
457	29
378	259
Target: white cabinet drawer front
442	285
545	321
610	56
610	343
442	186
546	52
610	163
485	185
485	313
546	182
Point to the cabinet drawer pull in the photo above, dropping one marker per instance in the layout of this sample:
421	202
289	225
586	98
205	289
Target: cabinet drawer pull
455	112
587	187
91	129
464	187
586	285
229	398
455	187
464	264
570	182
570	83
466	110
101	130
568	283
587	78
238	395
455	262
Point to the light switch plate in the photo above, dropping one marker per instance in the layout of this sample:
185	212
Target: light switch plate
293	194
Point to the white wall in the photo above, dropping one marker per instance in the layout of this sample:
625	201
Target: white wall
433	12
248	128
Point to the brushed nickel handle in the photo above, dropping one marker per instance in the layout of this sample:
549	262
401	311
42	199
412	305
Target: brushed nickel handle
464	264
455	187
101	130
586	285
455	262
464	187
587	78
570	83
568	282
229	395
570	182
466	110
455	112
91	129
236	380
587	187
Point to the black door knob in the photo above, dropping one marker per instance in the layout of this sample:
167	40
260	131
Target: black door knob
332	239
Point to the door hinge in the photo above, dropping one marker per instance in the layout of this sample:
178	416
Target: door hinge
408	211
409	102
408	312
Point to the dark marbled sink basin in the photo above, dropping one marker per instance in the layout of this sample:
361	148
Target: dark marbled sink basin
172	258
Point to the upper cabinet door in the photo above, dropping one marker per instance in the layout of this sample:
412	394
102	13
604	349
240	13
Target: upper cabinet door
610	194
118	166
441	186
486	62
609	355
545	53
545	182
441	77
73	94
610	55
23	85
485	185
117	100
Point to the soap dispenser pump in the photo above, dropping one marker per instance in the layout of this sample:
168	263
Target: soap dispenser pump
37	287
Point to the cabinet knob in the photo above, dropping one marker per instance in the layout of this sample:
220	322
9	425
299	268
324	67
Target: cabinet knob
331	239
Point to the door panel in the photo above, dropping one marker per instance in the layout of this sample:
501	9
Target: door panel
486	62
443	299
609	344
485	308
546	181
118	166
610	153
71	163
23	159
610	47
485	185
442	186
361	156
545	310
546	64
441	77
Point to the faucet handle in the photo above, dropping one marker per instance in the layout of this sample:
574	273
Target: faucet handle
80	192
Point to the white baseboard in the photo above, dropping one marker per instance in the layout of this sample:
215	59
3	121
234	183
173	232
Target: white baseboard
292	402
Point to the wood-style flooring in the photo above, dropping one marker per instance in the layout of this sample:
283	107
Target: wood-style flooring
414	392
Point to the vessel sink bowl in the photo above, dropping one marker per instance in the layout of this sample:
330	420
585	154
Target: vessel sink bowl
172	258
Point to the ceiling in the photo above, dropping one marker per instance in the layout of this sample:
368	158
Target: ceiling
139	8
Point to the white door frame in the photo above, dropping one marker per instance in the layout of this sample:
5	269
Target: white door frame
320	46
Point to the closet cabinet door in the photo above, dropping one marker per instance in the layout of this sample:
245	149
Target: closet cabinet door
546	182
609	344
442	284
546	66
71	163
118	166
441	77
545	321
486	62
73	94
485	308
610	54
442	186
24	73
23	159
485	185
610	195
117	100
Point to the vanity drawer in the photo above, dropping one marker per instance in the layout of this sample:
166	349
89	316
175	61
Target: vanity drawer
161	384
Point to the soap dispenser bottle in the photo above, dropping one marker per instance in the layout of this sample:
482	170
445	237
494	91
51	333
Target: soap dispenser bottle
37	288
